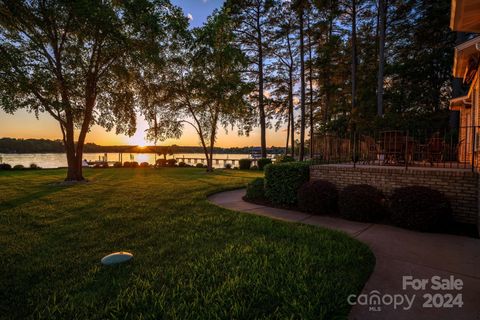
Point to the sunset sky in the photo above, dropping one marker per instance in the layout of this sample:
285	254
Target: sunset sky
24	125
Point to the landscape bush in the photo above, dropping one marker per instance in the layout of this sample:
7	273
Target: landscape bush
18	167
420	208
318	197
134	164
284	158
171	162
261	163
34	166
282	181
199	165
5	166
245	164
127	164
228	166
182	164
117	165
161	163
363	203
144	165
256	189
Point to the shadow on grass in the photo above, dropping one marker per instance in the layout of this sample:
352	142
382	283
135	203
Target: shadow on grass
46	191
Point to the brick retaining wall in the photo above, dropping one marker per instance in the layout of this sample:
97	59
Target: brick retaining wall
460	186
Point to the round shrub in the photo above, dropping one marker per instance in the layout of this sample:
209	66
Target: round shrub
228	166
182	164
171	162
284	158
245	164
362	202
318	197
134	164
5	166
161	163
144	165
261	163
127	164
420	208
282	181
199	165
256	190
34	166
117	165
18	167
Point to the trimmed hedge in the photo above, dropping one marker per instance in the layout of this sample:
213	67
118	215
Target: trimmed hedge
261	163
256	189
161	163
34	166
244	164
362	202
283	180
285	158
420	208
318	197
5	166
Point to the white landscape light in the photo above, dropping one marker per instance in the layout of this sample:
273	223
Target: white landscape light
116	257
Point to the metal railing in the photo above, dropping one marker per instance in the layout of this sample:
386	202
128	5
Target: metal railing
458	148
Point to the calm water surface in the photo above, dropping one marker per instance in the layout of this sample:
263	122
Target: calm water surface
56	160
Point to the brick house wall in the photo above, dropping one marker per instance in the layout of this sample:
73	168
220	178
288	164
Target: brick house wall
461	187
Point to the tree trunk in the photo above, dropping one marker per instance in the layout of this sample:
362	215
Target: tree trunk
302	89
288	132
382	12
213	135
290	97
311	85
354	55
327	74
74	173
75	170
261	107
290	110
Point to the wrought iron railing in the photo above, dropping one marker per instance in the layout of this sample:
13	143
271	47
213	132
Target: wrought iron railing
458	148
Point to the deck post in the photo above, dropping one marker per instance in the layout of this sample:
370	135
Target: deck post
406	151
473	148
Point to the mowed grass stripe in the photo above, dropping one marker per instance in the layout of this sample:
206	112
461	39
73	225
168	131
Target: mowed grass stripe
193	260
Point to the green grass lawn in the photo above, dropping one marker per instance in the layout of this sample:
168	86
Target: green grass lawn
193	260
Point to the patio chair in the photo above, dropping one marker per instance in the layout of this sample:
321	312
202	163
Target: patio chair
435	148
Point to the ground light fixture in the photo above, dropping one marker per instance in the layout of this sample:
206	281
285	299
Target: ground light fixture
116	258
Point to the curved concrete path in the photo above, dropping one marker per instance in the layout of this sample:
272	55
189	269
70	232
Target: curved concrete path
398	253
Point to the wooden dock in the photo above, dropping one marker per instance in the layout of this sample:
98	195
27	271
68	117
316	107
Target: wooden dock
191	160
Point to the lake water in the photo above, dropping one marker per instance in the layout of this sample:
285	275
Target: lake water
56	160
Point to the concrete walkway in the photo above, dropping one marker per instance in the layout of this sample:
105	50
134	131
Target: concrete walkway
398	253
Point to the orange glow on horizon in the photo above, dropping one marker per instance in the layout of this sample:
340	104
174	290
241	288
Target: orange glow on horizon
47	128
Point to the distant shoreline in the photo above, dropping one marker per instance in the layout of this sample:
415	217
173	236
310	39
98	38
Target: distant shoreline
39	146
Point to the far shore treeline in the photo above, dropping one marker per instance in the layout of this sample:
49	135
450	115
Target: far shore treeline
12	145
